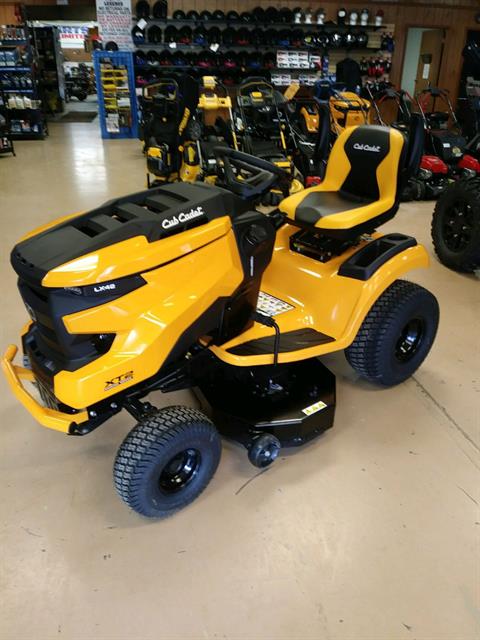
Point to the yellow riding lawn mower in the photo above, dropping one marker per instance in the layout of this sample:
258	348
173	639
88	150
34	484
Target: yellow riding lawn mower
263	129
170	131
186	285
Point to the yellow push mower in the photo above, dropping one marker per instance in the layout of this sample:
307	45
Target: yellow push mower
347	110
187	286
170	131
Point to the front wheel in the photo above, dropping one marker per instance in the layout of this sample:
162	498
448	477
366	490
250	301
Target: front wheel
396	335
166	461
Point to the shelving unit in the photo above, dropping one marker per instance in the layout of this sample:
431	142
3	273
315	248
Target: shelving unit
329	56
19	85
6	141
117	101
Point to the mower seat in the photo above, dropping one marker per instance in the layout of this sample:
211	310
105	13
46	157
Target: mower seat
361	185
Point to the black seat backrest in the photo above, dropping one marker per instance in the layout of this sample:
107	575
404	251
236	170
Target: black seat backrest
365	149
415	146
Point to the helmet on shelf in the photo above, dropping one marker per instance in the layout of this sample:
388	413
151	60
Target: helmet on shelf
246	16
341	16
310	38
170	34
242	36
255	60
272	15
323	39
193	15
153	57
199	36
286	15
232	15
111	46
214	35
179	15
270	36
218	14
362	39
160	10
165	58
185	35
283	38
269	59
257	36
139	58
179	59
258	14
229	36
349	39
142	9
154	34
205	15
230	60
296	39
138	35
336	40
192	58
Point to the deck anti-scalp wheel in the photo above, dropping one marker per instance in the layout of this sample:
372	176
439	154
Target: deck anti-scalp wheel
396	335
166	461
264	450
456	226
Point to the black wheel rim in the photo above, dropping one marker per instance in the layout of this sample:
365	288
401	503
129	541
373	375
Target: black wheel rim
268	454
458	226
179	471
409	340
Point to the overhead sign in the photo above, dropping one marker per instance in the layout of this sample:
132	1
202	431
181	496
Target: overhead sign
114	19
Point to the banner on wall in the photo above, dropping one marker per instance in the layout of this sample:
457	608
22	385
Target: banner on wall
114	19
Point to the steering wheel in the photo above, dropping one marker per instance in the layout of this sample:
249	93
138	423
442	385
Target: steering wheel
248	176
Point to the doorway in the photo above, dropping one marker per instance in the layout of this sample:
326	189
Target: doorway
423	58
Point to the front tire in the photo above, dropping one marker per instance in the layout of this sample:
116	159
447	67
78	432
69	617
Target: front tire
166	461
396	335
456	226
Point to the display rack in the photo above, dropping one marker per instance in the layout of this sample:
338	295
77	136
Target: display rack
50	67
6	141
19	84
324	58
115	80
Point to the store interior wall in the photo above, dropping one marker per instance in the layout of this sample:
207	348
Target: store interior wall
410	62
456	16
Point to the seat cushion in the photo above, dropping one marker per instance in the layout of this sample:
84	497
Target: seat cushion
319	204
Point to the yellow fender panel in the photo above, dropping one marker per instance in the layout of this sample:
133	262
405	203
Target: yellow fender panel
321	299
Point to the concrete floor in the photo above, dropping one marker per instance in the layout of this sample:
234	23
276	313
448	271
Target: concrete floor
369	533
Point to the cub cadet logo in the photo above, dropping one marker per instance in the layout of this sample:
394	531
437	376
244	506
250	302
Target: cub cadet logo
104	287
366	147
168	223
115	382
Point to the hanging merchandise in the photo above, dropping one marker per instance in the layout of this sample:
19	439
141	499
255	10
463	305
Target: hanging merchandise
270	37
364	17
353	18
320	16
364	66
242	36
179	59
348	72
232	16
308	16
272	15
256	37
269	60
323	39
171	34
255	60
341	16
283	38
379	18
206	16
153	58
229	36
160	10
296	39
310	38
179	15
165	58
362	39
297	15
336	40
139	58
349	40
218	14
388	43
230	60
246	16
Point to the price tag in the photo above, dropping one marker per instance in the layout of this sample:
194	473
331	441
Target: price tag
173	45
214	47
142	23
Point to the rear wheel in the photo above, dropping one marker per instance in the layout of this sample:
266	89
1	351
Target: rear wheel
456	226
166	461
396	335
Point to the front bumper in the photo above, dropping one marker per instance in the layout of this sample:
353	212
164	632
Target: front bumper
50	418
